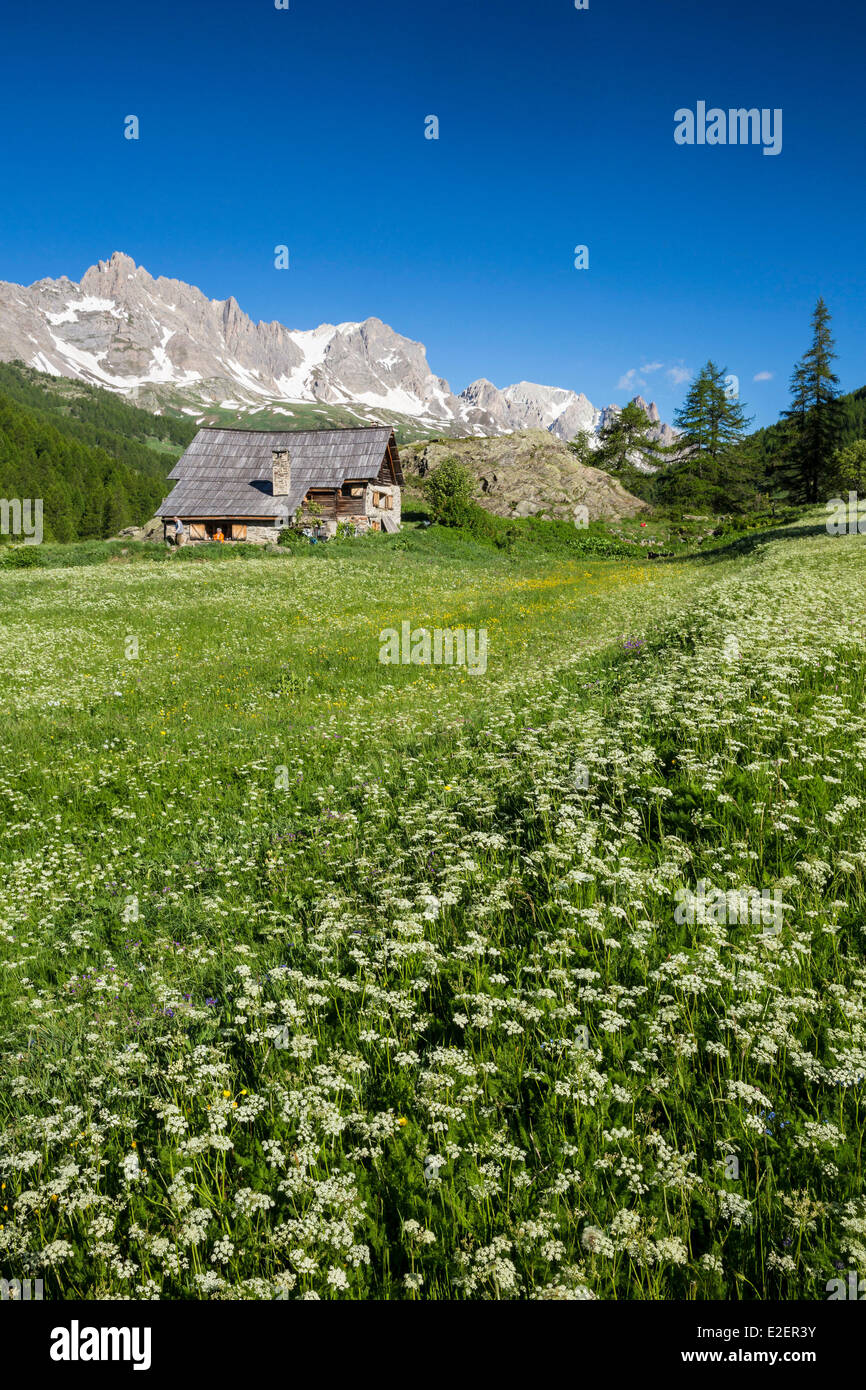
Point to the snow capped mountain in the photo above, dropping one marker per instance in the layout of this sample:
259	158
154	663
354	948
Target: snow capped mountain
123	329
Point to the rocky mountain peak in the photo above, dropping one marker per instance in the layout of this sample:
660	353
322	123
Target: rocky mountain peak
651	411
111	274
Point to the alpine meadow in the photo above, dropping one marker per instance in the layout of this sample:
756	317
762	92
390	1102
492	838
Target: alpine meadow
432	686
390	999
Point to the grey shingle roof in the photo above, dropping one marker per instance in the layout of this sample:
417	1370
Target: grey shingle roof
228	473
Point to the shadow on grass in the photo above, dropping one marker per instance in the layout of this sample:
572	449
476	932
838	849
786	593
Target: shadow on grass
754	544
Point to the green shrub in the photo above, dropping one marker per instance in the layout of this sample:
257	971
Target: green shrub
449	491
22	557
294	539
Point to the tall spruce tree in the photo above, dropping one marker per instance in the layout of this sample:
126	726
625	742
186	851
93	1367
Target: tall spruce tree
712	465
814	417
711	421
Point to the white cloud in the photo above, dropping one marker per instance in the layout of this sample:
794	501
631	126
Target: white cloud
763	376
635	378
629	380
678	375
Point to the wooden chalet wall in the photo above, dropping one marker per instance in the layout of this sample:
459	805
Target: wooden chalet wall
349	505
326	500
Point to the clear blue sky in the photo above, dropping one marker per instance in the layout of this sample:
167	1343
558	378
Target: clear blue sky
306	127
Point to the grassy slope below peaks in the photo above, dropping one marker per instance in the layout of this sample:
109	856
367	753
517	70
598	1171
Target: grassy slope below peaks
334	977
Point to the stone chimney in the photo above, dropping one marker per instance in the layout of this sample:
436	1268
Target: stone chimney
282	472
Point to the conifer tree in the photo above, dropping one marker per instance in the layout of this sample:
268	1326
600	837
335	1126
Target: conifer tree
814	416
711	421
625	434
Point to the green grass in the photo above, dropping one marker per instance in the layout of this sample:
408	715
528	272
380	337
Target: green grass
365	981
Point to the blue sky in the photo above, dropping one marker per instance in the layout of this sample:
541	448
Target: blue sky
305	127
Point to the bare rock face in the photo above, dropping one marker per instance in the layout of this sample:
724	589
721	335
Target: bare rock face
123	329
650	411
527	473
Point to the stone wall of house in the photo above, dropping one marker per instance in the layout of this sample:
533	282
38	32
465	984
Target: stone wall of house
260	535
374	513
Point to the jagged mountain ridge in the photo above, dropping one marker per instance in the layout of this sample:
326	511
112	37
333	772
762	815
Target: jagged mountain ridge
123	329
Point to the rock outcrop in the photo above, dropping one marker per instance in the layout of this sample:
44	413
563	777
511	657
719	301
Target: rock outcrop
528	473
